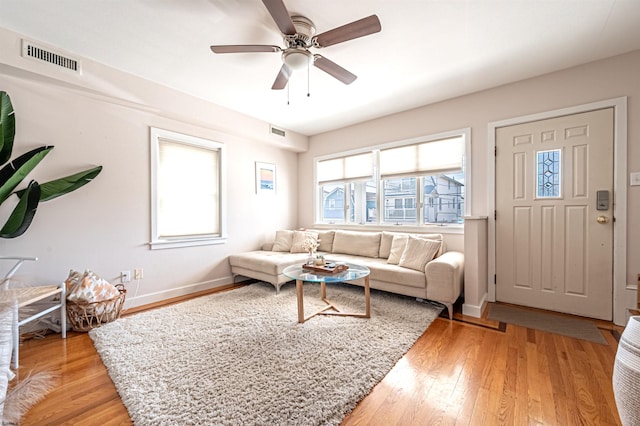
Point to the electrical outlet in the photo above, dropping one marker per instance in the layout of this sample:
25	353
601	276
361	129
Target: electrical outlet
125	276
137	274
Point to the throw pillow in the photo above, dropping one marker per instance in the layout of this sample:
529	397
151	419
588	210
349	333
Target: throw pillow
385	243
398	244
365	244
72	281
283	241
418	253
298	243
325	238
92	288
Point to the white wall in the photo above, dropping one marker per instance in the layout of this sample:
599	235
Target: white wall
607	79
103	118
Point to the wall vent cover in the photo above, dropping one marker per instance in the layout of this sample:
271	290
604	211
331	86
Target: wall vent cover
276	131
30	50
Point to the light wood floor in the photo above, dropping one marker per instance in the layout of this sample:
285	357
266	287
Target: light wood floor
457	373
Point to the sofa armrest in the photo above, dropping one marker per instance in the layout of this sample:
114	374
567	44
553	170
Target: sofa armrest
444	277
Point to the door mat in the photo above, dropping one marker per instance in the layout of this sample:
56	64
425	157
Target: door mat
571	327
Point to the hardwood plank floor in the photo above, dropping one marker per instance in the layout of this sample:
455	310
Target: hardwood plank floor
467	371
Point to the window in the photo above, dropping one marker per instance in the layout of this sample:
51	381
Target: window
417	182
346	191
548	173
187	190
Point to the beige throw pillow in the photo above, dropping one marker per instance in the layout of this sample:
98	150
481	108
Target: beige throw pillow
398	244
283	241
299	237
325	238
365	244
418	253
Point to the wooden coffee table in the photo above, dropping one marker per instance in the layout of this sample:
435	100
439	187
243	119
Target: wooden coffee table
301	275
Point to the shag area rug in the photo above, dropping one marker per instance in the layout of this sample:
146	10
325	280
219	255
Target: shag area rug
240	357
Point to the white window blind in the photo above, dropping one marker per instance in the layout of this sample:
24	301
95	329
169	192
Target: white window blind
188	190
352	167
423	158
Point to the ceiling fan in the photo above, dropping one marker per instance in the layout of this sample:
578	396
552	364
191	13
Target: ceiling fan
299	37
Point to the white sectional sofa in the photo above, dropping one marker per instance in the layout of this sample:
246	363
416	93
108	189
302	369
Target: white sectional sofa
415	265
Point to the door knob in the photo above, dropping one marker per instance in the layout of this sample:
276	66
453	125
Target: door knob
602	219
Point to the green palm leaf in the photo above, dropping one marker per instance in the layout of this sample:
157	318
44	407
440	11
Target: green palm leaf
58	187
13	173
23	213
7	127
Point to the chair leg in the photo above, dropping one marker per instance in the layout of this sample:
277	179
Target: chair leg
15	335
63	311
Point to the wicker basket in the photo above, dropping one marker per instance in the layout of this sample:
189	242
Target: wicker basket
84	316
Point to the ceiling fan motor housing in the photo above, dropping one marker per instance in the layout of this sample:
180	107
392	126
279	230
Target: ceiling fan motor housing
305	30
297	55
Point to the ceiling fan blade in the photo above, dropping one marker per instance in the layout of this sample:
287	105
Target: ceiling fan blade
333	69
280	14
243	48
355	29
283	78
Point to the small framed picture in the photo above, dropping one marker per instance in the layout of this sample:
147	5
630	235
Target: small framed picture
265	178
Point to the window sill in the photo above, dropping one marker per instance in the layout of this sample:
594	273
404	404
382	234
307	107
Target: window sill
191	242
453	228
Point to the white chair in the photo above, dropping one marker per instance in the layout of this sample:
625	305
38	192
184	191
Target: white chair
21	297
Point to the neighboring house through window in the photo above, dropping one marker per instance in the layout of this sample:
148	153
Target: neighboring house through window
416	182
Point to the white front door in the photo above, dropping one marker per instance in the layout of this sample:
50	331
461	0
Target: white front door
554	228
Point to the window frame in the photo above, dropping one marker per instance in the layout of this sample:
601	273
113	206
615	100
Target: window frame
157	242
465	133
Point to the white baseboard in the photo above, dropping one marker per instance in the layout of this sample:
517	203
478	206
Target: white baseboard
473	310
146	299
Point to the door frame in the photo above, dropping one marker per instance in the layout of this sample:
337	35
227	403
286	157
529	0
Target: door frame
621	291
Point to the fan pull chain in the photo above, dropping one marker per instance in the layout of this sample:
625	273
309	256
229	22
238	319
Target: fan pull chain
288	93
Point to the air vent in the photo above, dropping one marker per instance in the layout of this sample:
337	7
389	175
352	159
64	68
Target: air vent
277	131
30	50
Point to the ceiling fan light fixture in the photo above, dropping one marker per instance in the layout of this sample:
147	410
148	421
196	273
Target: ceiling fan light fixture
297	59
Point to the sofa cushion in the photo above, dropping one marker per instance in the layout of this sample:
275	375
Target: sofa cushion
299	242
325	238
267	262
381	271
357	243
418	252
283	241
397	248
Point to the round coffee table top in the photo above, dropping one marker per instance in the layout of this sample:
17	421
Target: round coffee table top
355	272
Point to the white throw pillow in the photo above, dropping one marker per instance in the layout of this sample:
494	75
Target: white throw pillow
299	237
418	253
398	244
283	241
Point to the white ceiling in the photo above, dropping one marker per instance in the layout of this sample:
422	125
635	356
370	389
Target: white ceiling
428	50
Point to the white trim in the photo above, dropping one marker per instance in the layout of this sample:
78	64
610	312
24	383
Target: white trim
619	198
473	310
157	243
163	295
